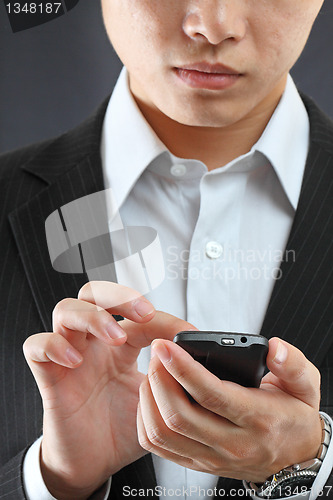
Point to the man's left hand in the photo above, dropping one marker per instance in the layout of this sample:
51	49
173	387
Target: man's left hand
229	430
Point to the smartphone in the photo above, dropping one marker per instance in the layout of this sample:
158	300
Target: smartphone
238	357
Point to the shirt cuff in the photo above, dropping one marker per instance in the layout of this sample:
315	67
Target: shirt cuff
318	487
33	482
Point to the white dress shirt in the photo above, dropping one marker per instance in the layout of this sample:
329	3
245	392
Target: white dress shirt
223	235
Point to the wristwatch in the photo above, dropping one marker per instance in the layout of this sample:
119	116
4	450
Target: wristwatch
298	476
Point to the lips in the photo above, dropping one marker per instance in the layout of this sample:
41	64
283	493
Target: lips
207	76
205	67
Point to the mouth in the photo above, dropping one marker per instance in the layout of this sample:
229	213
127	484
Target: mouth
203	75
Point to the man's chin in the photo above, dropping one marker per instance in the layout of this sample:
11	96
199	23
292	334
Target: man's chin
205	119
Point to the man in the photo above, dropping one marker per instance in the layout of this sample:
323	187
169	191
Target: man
208	142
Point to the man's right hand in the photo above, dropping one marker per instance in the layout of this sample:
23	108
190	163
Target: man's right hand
86	372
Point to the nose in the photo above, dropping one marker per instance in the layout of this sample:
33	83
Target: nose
216	20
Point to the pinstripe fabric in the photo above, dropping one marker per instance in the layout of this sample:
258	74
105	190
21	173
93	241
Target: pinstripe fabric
138	475
11	478
39	179
29	287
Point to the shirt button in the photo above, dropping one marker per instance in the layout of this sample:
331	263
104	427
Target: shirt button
214	250
178	170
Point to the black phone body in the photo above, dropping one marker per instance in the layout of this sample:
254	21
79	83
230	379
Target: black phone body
238	357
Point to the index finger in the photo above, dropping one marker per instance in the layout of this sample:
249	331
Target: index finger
117	299
161	326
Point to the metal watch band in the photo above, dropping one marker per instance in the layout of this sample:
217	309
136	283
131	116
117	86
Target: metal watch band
326	433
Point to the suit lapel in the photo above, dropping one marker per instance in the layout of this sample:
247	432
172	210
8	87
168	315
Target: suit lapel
28	224
70	168
299	309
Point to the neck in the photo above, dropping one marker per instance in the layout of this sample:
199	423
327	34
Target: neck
214	146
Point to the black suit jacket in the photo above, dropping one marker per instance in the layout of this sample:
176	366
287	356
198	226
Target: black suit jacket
37	180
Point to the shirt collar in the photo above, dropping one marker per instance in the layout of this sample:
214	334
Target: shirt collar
285	141
129	145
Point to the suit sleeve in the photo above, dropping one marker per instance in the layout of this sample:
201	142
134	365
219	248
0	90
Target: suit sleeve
11	479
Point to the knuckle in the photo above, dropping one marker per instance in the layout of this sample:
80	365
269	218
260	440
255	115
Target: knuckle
176	422
153	375
85	291
144	442
247	451
213	464
61	309
155	436
263	424
269	434
317	377
143	388
213	401
33	344
96	319
299	371
50	345
27	345
63	304
302	367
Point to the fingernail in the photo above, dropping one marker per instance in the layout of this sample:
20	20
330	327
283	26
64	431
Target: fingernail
161	351
73	357
143	308
114	331
281	353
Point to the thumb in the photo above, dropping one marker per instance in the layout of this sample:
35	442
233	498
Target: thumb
296	374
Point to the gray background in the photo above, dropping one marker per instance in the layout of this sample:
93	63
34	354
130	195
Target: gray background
54	75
